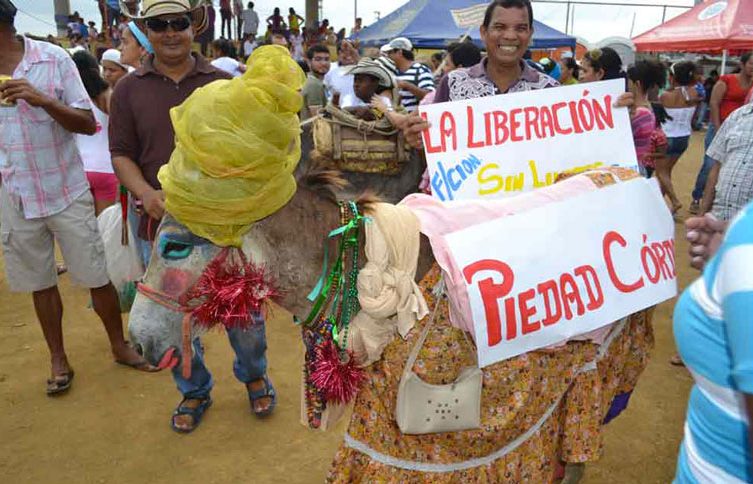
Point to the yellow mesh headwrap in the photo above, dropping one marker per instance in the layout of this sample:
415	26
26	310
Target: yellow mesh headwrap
237	144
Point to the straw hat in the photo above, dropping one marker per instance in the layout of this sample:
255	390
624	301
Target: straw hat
376	69
155	8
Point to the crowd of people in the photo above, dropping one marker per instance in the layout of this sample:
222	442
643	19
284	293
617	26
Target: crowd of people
86	121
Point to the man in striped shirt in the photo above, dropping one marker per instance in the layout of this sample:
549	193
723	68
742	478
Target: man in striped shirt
414	79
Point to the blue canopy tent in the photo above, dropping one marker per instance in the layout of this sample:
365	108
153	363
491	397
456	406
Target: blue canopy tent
433	24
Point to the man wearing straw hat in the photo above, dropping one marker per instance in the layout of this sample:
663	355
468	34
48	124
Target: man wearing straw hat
142	139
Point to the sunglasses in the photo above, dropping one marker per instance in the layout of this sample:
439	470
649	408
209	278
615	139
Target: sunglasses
178	24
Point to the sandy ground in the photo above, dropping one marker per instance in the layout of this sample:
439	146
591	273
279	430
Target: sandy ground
113	426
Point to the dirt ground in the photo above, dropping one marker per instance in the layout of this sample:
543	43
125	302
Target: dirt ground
113	426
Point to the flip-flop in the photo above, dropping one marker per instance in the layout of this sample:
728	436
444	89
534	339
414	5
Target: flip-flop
676	360
60	384
195	413
266	391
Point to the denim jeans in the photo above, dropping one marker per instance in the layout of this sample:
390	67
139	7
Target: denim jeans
703	173
250	363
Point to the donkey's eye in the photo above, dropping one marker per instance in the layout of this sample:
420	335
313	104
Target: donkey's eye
173	250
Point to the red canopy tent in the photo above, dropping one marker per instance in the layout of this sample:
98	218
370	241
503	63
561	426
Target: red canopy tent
712	26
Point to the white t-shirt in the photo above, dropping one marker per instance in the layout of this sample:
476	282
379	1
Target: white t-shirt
229	65
337	81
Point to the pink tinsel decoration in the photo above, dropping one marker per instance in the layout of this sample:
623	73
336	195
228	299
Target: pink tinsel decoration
230	292
338	380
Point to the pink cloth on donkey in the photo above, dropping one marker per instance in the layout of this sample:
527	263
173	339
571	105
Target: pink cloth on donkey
441	218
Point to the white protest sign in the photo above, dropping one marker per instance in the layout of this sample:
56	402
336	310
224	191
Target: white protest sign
543	276
493	147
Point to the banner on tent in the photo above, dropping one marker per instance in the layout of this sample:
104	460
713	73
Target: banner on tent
590	263
469	17
493	147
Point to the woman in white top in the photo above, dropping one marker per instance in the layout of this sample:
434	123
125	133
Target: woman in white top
680	102
95	151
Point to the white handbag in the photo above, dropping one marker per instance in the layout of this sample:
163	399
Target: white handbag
423	408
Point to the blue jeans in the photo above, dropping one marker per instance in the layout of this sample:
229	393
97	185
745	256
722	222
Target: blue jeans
250	363
703	173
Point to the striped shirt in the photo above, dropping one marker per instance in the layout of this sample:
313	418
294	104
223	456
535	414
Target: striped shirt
642	124
39	161
713	327
733	149
419	75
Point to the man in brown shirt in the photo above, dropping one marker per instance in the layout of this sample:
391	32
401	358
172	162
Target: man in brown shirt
141	133
141	141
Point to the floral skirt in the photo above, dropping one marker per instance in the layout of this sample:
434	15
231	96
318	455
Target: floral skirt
537	409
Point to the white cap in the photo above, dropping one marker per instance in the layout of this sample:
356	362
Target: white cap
401	43
385	48
113	55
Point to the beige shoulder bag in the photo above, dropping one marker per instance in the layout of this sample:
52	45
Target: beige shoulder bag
423	408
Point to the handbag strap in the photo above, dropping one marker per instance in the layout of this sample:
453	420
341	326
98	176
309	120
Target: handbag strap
422	339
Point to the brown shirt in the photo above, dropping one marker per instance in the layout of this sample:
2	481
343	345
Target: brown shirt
140	126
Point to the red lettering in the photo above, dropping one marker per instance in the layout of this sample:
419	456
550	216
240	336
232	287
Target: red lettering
532	122
570	295
490	294
595	294
447	130
661	256
514	125
574	116
610	238
669	249
557	127
603	113
500	126
546	122
471	142
488	126
526	311
430	148
550	287
586	114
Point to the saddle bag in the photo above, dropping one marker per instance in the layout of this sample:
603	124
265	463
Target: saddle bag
347	143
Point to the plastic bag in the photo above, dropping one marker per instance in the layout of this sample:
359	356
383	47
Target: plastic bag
124	265
237	144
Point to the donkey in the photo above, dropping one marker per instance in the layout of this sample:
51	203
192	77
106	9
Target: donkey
288	242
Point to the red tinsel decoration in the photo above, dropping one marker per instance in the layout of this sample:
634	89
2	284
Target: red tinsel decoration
230	292
337	380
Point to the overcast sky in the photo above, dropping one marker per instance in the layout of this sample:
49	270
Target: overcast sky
592	22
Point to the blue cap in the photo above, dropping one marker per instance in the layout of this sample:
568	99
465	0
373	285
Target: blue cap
140	36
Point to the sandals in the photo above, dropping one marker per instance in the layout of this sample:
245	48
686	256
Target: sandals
195	413
267	391
60	384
